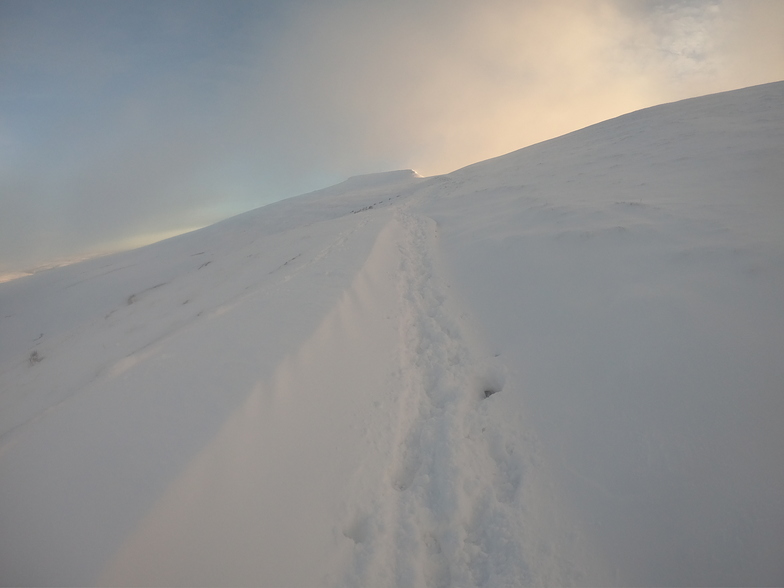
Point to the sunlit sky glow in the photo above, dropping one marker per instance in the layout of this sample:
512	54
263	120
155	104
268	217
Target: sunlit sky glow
121	121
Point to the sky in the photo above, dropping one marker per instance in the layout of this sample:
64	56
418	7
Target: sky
122	123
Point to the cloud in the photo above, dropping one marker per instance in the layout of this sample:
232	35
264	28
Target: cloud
752	41
154	117
437	85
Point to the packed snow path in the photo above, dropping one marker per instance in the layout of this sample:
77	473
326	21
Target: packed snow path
558	367
450	508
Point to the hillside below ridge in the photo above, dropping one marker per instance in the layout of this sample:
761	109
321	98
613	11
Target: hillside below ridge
558	366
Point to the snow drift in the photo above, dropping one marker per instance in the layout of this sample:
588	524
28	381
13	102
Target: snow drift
560	366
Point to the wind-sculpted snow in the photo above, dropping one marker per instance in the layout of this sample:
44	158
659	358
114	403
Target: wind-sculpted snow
558	367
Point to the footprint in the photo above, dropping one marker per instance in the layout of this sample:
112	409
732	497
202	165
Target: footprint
404	476
509	468
436	566
490	380
488	392
358	530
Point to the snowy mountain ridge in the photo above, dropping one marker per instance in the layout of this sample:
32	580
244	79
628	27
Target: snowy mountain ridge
560	366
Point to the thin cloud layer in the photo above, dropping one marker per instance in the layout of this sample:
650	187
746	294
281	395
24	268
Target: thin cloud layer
117	121
452	83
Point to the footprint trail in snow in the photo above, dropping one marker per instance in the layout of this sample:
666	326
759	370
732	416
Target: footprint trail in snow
451	507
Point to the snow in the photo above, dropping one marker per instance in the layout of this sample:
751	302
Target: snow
561	366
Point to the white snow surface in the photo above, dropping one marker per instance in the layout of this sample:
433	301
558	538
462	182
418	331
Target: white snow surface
563	366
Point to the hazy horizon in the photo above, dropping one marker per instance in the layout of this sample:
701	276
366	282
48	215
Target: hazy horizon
124	123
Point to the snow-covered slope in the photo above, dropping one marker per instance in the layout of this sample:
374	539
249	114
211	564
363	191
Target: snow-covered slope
561	366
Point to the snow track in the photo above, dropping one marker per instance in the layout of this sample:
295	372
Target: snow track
451	506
